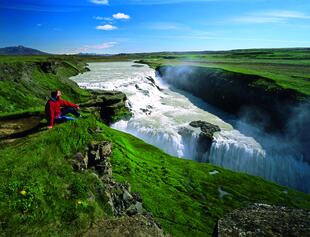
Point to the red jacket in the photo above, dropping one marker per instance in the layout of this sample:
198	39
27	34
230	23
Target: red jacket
52	109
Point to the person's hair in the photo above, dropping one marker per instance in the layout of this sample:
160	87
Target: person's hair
54	94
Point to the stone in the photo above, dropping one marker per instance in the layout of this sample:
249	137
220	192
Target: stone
132	210
98	152
207	129
265	220
137	197
135	209
127	196
139	207
205	138
152	82
105	149
109	106
80	161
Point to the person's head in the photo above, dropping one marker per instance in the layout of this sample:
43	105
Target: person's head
56	94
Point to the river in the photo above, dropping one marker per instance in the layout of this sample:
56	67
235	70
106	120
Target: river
161	117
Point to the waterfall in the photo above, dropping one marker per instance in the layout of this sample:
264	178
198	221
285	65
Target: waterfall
161	117
249	157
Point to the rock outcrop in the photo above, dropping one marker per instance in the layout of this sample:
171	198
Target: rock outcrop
205	137
152	82
265	220
207	129
131	219
110	106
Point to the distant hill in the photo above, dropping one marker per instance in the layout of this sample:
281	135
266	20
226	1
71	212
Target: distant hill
20	50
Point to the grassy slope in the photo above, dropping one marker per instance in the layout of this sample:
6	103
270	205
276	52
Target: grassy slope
25	86
41	166
181	194
289	68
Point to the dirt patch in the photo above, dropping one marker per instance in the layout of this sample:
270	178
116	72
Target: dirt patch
16	128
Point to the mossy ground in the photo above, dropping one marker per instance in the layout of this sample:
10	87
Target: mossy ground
25	86
181	194
287	68
57	201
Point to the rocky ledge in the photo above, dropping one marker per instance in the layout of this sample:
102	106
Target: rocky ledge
265	220
110	106
207	129
205	137
130	218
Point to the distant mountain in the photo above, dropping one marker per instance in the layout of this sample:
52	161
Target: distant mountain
20	50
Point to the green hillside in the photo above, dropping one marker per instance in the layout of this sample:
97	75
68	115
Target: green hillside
42	195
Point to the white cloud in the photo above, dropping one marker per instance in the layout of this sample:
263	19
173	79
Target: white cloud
105	45
108	18
100	18
121	16
106	27
95	48
100	2
39	25
276	16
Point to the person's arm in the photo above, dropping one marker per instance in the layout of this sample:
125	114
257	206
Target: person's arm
65	103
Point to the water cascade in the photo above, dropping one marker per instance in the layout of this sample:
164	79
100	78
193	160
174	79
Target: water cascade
161	117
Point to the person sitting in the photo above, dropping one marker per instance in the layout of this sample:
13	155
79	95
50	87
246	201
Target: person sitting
56	109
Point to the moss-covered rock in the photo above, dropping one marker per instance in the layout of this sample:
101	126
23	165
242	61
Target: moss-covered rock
110	106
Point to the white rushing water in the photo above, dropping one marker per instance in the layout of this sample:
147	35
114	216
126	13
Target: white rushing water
161	117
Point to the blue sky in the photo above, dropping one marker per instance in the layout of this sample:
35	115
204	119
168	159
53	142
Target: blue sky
120	26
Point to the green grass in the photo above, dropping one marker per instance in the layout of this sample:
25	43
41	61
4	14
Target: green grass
288	68
41	166
39	191
181	194
24	85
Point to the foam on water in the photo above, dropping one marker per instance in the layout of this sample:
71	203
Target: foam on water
162	117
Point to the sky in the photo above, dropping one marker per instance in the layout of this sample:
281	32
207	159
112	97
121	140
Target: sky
128	26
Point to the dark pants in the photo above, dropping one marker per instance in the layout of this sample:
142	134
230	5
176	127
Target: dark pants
64	111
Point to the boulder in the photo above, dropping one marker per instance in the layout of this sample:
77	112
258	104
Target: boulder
205	137
264	220
207	129
110	106
98	151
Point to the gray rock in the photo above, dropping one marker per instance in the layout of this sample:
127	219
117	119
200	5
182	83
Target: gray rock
205	138
139	207
107	105
131	210
135	209
207	129
80	161
127	196
265	220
